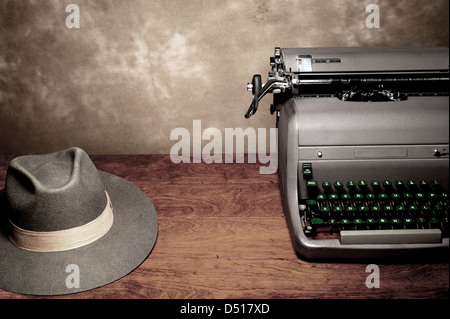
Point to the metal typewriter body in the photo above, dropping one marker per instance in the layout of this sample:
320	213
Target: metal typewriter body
363	143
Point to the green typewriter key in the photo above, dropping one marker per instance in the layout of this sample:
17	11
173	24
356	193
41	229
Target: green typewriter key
350	209
311	184
363	209
396	196
346	196
338	185
387	183
375	184
438	209
388	208
425	208
358	196
433	196
407	196
408	222
400	208
332	222
326	185
396	223
375	209
413	208
383	221
383	196
411	183
311	203
363	184
370	196
333	196
358	222
351	184
321	197
324	209
399	184
371	223
434	222
421	220
345	222
307	170
423	183
444	195
316	221
420	195
435	183
338	209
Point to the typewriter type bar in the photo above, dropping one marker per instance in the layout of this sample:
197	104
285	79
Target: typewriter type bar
363	147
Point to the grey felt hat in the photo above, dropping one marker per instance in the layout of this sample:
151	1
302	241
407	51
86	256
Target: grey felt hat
66	227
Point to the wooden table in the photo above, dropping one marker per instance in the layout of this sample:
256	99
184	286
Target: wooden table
223	234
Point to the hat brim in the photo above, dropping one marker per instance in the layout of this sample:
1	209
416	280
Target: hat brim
126	245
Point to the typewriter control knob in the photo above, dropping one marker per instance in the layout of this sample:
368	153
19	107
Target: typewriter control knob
255	87
256	83
277	53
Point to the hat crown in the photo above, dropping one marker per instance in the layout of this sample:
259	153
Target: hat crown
52	192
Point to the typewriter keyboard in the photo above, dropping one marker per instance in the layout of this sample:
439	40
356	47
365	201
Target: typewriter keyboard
376	212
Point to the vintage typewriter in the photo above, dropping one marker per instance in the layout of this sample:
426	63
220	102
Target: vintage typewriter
363	149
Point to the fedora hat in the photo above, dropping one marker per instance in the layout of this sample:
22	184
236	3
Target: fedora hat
66	227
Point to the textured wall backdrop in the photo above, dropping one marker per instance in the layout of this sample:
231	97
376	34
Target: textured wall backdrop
137	69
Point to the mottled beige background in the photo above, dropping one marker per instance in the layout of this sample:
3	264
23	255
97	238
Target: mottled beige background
137	69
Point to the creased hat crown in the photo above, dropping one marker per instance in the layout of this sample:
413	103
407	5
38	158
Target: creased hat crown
54	191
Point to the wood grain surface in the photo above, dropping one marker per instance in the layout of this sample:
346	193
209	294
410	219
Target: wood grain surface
222	234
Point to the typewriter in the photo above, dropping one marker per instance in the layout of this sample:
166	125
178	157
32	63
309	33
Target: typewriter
363	149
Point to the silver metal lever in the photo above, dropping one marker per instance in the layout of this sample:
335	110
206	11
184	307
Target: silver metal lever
269	86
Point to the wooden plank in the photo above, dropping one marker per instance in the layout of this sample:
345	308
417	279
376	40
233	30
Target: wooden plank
141	169
215	200
195	238
292	278
269	279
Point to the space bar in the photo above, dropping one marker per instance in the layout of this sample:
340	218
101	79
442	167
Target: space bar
391	236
